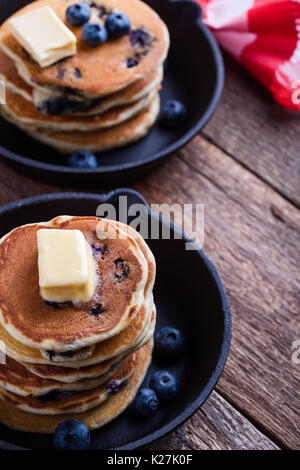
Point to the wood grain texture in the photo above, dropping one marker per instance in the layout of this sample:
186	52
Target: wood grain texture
216	426
252	235
252	128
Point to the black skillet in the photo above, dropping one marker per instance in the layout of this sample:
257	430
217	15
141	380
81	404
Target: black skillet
189	294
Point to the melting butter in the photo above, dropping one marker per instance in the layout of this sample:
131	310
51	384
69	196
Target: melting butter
66	266
42	33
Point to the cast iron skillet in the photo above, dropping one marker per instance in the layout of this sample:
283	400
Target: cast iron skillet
194	74
189	295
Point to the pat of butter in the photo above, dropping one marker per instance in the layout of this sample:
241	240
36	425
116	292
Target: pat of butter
42	33
66	266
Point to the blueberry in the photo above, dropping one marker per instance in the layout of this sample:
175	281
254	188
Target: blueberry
117	25
165	385
146	402
94	34
83	159
59	106
130	62
78	14
174	113
71	435
169	342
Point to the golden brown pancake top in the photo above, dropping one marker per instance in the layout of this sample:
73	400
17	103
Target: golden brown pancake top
97	71
120	271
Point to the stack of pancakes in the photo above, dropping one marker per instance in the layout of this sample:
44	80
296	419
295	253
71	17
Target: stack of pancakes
83	361
103	97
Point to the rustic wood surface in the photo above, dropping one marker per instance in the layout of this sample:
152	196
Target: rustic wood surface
245	168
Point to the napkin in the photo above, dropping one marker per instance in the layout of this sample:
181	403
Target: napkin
264	36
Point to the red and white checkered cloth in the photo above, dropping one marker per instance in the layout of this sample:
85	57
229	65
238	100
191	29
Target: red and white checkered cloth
264	36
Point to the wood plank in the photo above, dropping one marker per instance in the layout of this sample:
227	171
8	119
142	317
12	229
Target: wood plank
257	132
252	235
216	426
14	186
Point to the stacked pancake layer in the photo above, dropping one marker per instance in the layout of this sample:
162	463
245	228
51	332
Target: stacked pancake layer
101	98
83	361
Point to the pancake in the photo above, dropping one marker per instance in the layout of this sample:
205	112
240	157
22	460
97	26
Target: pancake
98	71
130	94
121	266
72	402
94	418
99	141
15	378
104	350
71	375
14	83
25	114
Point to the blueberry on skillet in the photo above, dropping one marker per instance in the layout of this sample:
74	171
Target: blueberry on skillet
83	159
78	14
169	342
71	435
146	402
174	113
164	384
94	34
117	25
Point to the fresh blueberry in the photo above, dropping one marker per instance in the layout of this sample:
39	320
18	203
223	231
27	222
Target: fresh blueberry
83	159
164	384
71	435
174	113
94	34
146	402
117	25
78	14
169	342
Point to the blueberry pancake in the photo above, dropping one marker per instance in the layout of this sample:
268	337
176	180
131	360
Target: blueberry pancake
114	347
96	71
24	114
121	272
104	139
94	418
64	104
15	378
60	402
71	375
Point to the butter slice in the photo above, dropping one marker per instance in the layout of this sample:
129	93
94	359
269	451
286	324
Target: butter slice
42	33
66	266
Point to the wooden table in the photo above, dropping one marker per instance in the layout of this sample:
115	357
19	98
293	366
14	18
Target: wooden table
244	166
